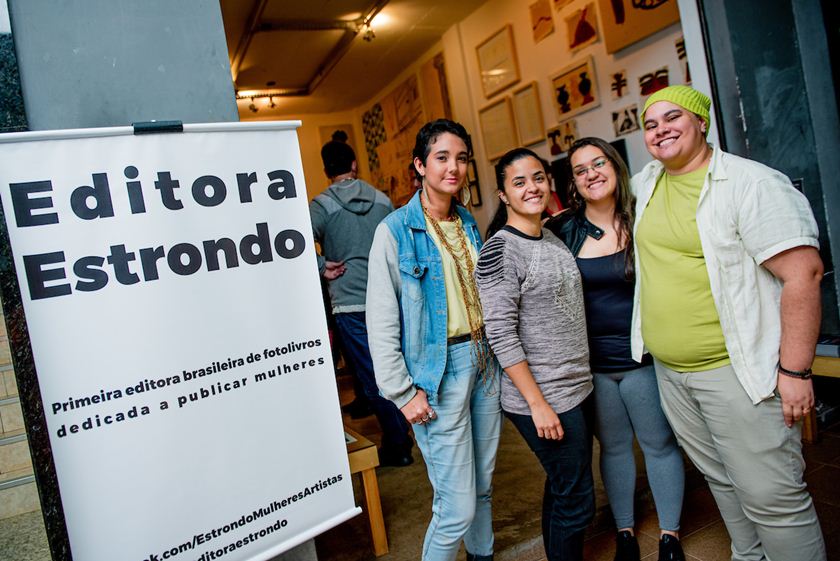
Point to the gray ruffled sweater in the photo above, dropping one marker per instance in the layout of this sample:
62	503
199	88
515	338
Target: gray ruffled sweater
532	299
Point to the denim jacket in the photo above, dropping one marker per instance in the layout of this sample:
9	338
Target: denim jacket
406	303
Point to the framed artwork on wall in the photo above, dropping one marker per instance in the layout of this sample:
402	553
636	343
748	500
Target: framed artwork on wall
497	62
575	89
542	24
582	27
498	129
625	23
561	137
528	113
626	120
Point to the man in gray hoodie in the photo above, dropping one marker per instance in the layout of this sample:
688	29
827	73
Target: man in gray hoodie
344	218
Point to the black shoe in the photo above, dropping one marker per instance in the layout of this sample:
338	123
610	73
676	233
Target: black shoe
670	549
395	458
358	409
626	547
471	557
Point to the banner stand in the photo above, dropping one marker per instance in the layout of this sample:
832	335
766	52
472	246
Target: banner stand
30	401
27	381
240	352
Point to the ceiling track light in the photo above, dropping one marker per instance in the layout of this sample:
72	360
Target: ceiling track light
368	35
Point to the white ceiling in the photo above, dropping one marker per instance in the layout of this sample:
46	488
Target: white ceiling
270	51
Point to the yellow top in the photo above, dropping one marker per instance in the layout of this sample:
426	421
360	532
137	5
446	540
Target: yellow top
680	324
456	310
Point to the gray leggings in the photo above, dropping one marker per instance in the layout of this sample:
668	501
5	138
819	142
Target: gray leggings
627	403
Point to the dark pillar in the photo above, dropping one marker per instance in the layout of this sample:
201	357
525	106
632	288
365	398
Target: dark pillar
776	103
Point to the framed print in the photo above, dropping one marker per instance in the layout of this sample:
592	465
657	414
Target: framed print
542	24
624	23
528	113
626	120
498	130
653	81
562	137
473	185
618	84
582	27
497	62
575	89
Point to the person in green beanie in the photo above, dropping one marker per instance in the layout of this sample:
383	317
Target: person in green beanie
727	301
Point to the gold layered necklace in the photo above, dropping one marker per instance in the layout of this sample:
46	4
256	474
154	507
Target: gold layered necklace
465	268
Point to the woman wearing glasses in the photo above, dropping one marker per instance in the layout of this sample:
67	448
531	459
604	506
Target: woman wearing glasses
426	336
533	309
598	231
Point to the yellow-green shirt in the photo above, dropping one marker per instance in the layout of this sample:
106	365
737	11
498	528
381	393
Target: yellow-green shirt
456	310
680	324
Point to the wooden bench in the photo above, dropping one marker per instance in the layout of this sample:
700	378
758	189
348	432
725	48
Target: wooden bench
364	459
823	366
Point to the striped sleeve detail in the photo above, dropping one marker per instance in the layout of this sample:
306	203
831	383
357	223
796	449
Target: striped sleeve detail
490	268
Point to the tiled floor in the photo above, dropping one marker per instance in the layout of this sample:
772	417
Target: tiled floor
703	534
406	498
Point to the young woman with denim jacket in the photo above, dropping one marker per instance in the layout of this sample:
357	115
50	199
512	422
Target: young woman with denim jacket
426	336
598	230
533	308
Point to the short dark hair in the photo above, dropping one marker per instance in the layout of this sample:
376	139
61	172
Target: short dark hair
338	158
427	135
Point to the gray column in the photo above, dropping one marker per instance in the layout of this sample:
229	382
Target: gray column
98	63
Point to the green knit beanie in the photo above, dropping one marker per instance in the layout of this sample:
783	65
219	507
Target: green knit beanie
684	96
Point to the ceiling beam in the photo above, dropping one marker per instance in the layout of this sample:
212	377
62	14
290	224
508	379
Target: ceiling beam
245	40
310	25
351	28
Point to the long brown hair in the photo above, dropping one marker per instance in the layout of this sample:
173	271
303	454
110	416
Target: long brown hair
624	199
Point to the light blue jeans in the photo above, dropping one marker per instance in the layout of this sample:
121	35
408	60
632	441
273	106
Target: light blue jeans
459	448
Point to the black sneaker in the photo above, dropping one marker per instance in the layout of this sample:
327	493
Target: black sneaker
358	409
626	547
395	458
670	549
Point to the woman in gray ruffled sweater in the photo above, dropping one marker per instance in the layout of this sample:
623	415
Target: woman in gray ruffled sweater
532	299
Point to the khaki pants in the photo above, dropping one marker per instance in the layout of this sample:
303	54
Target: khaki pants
752	462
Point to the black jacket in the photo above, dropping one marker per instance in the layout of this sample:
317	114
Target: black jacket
573	228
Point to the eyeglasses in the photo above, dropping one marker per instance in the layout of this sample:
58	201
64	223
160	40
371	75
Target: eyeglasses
597	165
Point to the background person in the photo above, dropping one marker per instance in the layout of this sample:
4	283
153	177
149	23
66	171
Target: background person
728	303
599	233
344	218
429	350
533	309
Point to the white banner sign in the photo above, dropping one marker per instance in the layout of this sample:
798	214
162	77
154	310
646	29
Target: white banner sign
175	314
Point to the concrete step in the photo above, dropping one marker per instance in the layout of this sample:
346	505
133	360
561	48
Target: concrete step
18	494
14	454
11	417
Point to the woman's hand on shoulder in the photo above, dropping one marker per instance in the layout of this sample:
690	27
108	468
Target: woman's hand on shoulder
418	411
546	421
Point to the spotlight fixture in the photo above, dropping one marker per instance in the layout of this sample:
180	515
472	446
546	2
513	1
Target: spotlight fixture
271	103
368	34
253	107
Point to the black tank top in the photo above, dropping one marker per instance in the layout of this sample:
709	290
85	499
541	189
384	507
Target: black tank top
608	298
